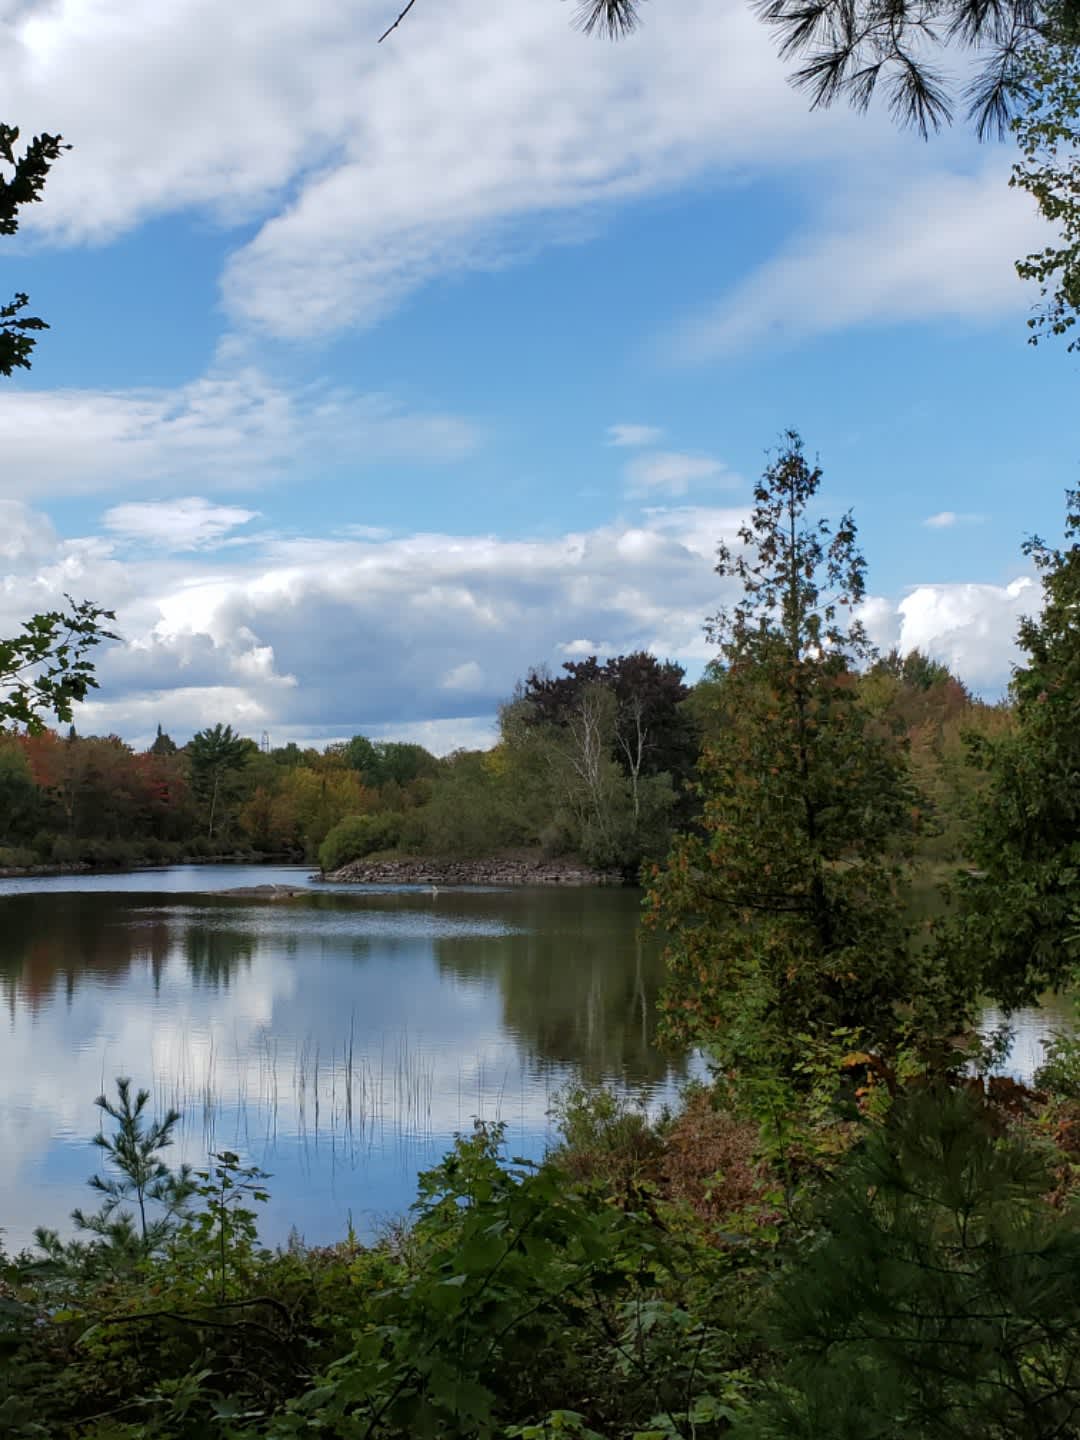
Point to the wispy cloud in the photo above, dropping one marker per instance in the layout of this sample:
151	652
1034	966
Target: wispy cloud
233	427
633	435
946	519
670	472
873	259
192	523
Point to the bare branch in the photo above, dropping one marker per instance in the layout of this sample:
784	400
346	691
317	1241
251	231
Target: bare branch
397	22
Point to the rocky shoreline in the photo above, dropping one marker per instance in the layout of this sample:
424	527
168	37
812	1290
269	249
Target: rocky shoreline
492	871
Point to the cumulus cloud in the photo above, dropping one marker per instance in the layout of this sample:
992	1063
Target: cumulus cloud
230	427
324	636
192	523
24	534
632	435
671	472
947	519
329	635
970	627
878	260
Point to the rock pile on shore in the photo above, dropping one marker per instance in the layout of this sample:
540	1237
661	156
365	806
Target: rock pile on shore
496	871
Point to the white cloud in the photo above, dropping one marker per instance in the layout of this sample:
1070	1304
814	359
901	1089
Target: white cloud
467	141
327	636
670	472
24	534
879	258
336	634
188	524
472	142
580	649
971	627
632	435
466	676
229	428
947	519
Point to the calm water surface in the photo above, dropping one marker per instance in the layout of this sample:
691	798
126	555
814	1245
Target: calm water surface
338	1041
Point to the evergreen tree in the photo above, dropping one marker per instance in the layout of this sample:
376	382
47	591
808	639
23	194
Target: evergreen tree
941	1300
217	754
783	907
163	744
1020	906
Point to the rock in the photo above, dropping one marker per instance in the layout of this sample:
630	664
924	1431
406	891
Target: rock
494	871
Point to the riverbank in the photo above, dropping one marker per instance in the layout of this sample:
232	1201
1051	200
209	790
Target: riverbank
493	870
113	867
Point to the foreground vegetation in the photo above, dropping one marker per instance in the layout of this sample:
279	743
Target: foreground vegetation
908	1275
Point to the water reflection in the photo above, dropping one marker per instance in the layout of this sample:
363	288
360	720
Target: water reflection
338	1041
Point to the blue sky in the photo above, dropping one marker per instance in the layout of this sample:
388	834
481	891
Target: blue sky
380	373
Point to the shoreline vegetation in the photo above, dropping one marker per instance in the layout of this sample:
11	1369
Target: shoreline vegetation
123	866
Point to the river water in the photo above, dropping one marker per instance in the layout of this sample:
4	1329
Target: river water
338	1041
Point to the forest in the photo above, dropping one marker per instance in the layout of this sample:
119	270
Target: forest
596	762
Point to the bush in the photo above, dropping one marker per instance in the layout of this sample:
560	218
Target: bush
605	1137
357	836
63	851
16	856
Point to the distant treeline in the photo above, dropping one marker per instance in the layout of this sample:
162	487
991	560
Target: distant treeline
597	761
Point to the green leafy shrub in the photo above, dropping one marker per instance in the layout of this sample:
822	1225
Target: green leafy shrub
1060	1071
605	1136
17	856
518	1292
357	836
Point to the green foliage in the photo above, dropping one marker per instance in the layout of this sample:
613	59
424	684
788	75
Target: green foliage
217	754
1018	906
605	1136
163	744
941	1298
783	908
389	762
19	796
1059	1072
613	814
505	1265
29	173
1048	132
46	667
474	808
142	1197
357	836
225	1227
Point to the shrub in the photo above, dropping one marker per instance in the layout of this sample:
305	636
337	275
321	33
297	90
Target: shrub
605	1136
16	856
357	836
